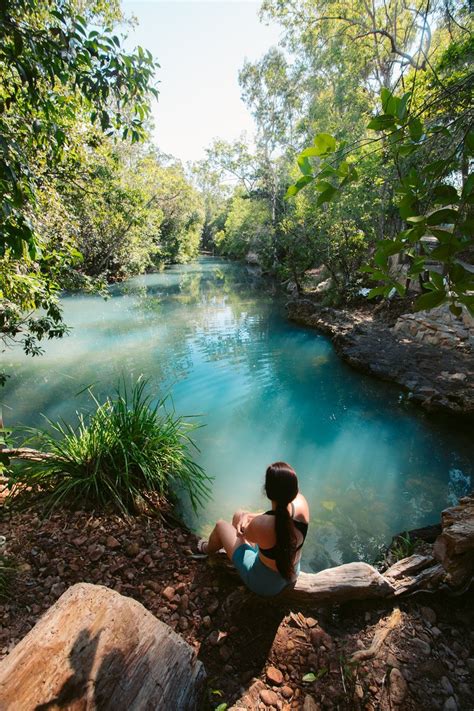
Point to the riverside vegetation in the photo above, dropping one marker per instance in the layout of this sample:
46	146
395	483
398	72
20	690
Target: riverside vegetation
87	199
123	451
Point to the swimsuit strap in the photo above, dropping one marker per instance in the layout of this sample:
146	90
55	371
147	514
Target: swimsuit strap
300	526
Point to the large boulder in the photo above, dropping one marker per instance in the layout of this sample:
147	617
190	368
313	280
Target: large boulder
454	547
96	649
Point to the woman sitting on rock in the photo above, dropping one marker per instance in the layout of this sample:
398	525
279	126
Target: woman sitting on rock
266	548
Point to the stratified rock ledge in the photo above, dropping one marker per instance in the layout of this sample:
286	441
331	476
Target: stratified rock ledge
440	379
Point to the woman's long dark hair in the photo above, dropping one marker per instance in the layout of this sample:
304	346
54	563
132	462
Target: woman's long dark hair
281	486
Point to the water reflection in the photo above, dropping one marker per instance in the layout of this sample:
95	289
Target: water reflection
266	390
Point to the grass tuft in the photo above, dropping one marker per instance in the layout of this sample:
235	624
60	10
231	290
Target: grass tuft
123	450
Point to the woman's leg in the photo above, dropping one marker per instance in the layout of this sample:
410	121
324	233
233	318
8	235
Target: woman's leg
224	535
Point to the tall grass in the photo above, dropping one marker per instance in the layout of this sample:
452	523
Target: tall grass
125	448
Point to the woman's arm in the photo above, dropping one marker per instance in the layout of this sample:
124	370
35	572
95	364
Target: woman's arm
252	530
242	519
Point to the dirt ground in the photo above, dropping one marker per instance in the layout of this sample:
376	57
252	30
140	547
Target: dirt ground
258	654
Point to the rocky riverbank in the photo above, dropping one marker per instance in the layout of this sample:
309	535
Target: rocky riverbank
437	373
257	654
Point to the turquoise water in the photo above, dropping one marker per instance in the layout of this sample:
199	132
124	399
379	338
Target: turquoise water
369	464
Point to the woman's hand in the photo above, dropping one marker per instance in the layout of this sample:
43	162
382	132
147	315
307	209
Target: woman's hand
241	520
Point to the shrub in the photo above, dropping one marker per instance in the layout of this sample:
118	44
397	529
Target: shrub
127	447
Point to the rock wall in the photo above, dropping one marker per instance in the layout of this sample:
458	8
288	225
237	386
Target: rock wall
438	327
440	379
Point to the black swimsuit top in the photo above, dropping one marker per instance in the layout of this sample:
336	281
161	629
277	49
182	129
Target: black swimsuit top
299	525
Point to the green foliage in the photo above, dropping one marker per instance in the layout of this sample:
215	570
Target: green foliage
63	78
124	449
434	197
311	676
330	176
247	228
435	233
403	547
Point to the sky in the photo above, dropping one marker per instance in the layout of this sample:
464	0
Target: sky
200	45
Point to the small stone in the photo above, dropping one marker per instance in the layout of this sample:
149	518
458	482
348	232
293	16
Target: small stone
447	686
470	664
206	621
168	593
310	704
112	542
398	686
95	552
359	691
225	653
286	692
269	697
153	585
57	589
428	614
213	606
181	539
274	676
79	541
217	637
132	549
320	637
458	649
183	623
436	632
392	661
450	704
422	646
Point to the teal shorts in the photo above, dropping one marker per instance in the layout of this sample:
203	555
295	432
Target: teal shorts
257	576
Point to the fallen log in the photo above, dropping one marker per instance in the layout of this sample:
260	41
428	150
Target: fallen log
26	453
352	581
414	574
96	649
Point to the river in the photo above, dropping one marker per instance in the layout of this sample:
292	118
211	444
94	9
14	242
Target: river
369	463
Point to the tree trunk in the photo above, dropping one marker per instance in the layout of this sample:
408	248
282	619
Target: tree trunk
95	649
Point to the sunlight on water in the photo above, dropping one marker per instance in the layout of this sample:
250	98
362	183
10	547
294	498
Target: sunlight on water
265	389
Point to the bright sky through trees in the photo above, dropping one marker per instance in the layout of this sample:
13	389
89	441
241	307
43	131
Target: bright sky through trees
200	46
